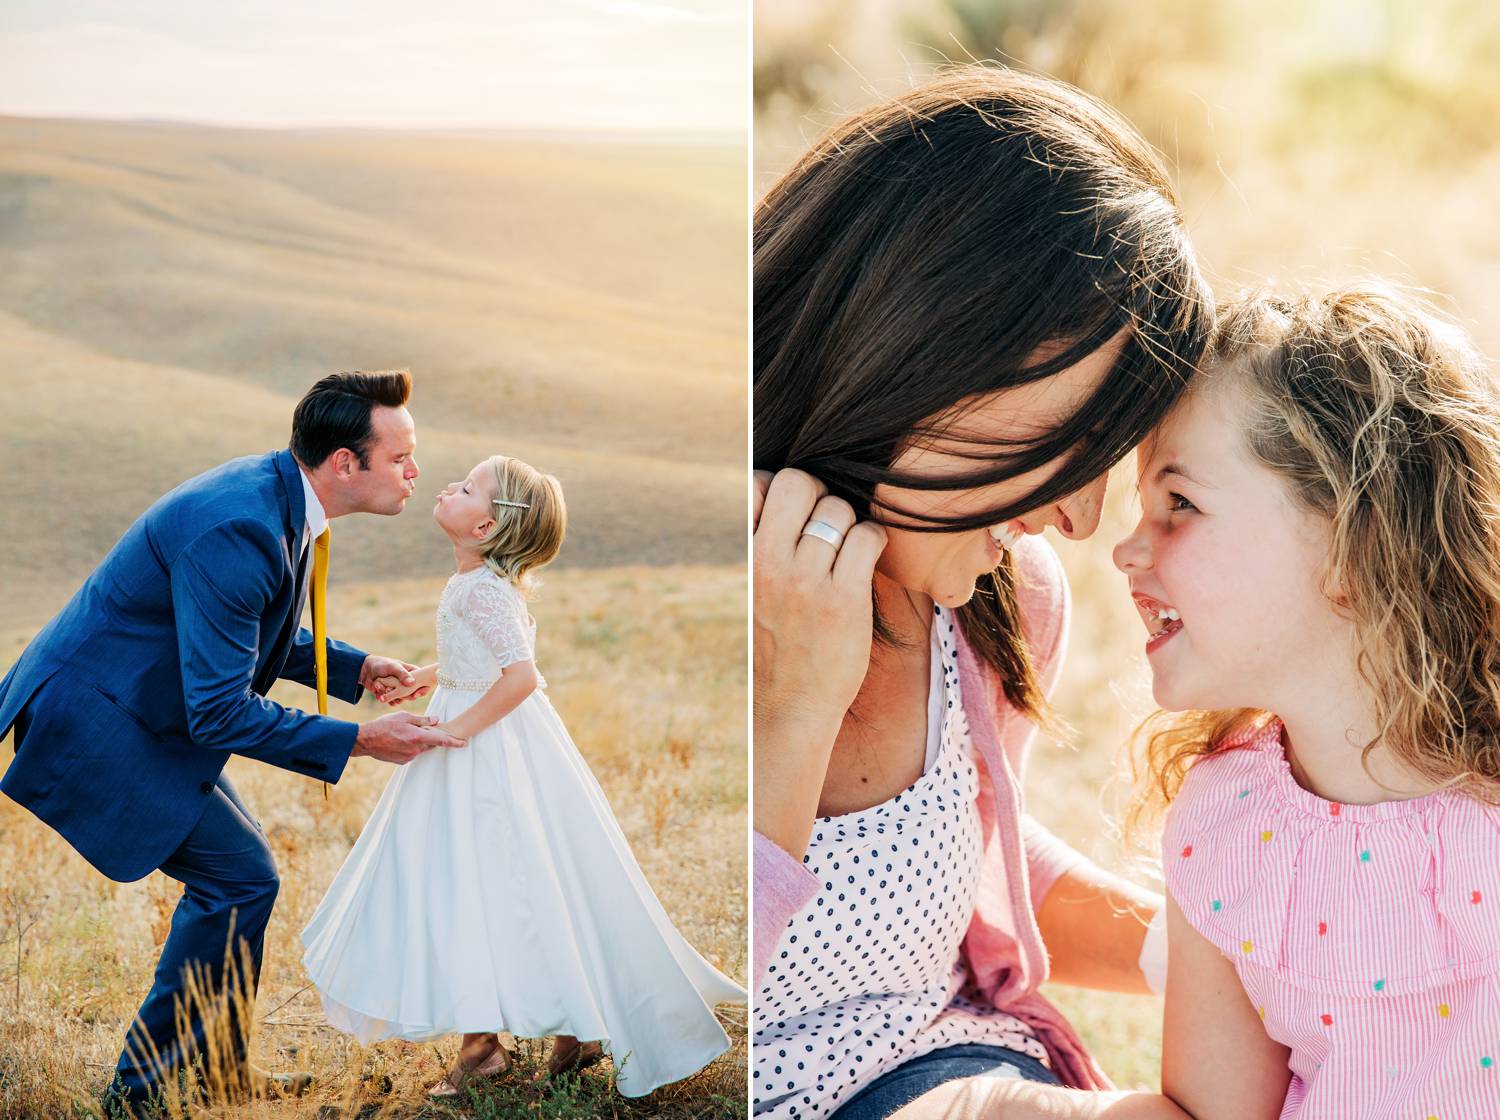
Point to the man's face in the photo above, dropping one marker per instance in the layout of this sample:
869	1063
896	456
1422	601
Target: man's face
391	476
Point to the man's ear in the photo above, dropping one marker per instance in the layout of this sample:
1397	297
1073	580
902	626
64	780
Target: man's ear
345	463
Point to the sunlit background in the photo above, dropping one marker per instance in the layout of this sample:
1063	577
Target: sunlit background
537	208
1310	142
576	65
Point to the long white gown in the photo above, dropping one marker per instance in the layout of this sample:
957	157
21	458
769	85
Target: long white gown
492	888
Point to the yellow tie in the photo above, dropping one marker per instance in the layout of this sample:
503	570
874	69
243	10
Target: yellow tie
320	624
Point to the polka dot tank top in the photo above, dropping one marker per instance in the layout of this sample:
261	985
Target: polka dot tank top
866	976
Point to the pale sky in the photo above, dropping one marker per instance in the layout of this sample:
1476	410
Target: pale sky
595	65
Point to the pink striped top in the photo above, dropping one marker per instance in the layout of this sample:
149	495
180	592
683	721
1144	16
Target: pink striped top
1368	936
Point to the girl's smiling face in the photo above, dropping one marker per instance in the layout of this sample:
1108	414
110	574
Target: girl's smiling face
1225	571
465	510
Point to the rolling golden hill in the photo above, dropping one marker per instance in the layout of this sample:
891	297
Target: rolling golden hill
167	292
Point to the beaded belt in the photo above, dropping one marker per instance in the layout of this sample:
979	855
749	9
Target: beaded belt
472	685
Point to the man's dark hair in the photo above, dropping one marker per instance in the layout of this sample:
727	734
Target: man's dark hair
336	413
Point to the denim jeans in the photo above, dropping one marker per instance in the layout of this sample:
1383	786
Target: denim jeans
906	1083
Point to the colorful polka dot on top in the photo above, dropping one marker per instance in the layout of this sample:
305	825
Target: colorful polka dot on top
1350	998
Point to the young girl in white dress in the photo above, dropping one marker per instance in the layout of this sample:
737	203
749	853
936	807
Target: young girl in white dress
491	888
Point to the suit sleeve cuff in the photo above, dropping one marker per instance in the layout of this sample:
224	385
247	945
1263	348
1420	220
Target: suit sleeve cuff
325	760
344	665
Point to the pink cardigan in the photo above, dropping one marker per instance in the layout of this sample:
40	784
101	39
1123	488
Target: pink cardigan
1003	947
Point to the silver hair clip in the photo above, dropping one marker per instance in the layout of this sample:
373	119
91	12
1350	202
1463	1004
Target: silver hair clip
504	502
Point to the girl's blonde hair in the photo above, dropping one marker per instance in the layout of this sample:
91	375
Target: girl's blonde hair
1379	416
530	521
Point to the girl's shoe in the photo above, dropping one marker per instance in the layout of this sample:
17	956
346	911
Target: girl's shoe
571	1059
460	1077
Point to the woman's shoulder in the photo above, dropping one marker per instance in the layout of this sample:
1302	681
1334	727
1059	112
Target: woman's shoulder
1389	898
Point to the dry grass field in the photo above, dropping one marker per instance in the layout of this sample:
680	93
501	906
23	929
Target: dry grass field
166	294
646	666
1310	142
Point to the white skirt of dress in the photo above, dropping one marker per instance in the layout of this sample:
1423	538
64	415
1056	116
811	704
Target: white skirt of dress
493	890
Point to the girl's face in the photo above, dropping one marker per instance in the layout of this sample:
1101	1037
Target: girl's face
466	510
1225	571
945	566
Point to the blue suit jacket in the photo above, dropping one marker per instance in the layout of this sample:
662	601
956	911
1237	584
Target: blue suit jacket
128	703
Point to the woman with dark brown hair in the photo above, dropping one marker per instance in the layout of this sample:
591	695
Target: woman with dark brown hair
970	303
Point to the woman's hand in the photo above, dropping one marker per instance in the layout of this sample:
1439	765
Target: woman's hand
813	624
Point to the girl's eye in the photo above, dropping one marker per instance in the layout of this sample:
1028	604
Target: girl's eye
1176	503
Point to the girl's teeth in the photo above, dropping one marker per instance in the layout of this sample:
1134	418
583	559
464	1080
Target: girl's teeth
1169	613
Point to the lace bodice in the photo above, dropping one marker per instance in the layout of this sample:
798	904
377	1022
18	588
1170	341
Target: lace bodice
482	626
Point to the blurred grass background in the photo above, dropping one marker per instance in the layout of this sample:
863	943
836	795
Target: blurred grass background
168	292
1309	142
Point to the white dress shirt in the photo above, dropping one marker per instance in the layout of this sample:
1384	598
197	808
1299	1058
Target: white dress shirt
317	518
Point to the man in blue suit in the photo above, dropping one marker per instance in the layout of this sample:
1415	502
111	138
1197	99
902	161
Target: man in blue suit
127	705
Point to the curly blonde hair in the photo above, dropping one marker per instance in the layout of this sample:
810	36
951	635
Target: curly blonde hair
1378	415
530	522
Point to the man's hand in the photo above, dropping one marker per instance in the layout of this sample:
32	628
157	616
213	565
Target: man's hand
400	737
390	691
384	675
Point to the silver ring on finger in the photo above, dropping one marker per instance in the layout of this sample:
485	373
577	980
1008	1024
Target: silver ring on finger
824	532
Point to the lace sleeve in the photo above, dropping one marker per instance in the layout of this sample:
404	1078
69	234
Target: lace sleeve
496	612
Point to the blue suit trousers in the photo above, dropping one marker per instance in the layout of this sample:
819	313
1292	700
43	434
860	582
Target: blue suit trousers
218	935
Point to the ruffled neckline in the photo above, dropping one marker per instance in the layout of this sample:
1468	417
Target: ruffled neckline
1360	900
1270	739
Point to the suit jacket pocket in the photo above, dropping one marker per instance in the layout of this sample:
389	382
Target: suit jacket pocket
127	713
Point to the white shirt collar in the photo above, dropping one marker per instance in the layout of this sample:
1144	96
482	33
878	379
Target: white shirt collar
317	519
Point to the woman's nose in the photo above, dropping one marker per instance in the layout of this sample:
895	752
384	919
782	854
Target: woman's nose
1132	554
1078	513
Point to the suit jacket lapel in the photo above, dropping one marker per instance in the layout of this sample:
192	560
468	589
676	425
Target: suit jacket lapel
294	509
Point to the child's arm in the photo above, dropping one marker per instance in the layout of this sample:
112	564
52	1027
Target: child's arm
425	681
518	680
997	1098
1218	1063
